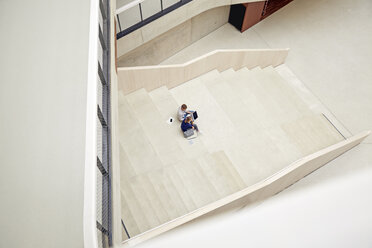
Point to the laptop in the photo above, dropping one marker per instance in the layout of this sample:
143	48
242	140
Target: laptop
194	115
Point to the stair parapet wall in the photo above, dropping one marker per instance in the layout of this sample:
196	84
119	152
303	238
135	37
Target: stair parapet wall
263	189
152	77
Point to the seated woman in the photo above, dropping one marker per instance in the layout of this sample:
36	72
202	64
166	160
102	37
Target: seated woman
187	123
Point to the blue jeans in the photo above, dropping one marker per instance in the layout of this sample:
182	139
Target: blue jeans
196	127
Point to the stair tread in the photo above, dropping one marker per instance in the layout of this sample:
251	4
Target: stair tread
128	218
217	172
154	198
126	169
235	108
168	195
195	93
135	142
221	156
181	188
157	130
310	100
244	86
200	190
145	203
130	199
167	106
312	133
281	92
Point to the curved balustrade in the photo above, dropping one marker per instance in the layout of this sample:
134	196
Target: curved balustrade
97	188
138	13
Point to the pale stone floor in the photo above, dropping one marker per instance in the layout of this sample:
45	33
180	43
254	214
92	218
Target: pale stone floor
331	54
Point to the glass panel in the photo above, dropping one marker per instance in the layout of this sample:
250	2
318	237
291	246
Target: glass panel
129	17
121	3
167	3
150	7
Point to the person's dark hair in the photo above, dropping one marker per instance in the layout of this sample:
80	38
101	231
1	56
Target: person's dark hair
184	106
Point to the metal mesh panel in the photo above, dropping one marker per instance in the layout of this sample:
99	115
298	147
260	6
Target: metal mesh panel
100	53
100	20
99	195
99	92
99	139
105	241
102	239
99	239
103	192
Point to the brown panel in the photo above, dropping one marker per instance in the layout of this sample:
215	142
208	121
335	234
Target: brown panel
274	5
253	14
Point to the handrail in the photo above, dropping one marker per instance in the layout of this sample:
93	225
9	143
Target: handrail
128	6
152	77
263	189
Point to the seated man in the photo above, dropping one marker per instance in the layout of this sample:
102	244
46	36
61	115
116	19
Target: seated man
187	124
182	112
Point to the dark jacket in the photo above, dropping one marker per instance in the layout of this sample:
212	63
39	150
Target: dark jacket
185	126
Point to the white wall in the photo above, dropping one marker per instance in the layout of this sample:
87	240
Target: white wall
44	61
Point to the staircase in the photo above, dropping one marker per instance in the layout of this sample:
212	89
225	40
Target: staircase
254	123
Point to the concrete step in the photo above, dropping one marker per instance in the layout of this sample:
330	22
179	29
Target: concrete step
234	107
199	188
130	201
286	98
167	106
135	142
150	217
248	90
126	169
221	173
167	193
156	129
127	216
311	133
183	191
310	100
155	199
221	157
195	94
